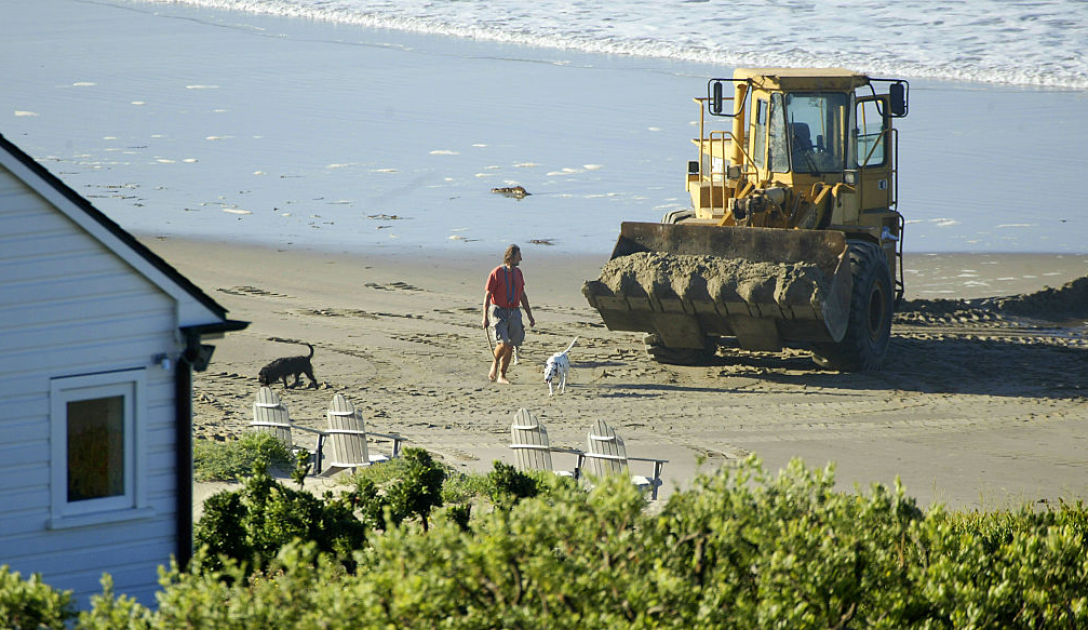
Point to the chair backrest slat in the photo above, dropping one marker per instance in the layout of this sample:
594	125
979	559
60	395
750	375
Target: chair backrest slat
270	415
346	434
529	439
606	453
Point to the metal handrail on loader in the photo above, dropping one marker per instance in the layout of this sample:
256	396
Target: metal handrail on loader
708	146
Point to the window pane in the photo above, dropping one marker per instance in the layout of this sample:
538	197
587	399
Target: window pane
776	137
96	448
817	122
759	146
870	135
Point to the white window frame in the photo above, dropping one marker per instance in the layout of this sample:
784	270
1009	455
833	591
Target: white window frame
132	503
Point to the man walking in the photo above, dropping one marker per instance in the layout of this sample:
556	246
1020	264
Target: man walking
504	293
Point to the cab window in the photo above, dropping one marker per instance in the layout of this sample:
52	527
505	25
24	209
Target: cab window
759	135
816	124
778	148
871	147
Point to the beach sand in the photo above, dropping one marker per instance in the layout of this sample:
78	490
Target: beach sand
971	412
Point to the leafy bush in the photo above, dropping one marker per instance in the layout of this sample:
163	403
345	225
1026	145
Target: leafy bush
231	461
1006	570
462	487
419	490
254	523
740	549
109	612
458	487
508	485
32	604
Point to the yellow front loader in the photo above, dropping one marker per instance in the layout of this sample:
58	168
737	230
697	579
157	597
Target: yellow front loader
793	239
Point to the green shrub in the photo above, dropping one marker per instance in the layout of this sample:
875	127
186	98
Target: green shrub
418	491
30	604
232	461
752	550
460	515
1021	569
462	487
740	549
254	523
110	612
458	487
508	485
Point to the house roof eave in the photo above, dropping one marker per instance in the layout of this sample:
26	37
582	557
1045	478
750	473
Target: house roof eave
195	307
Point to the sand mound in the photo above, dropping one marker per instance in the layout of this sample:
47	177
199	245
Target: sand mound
1068	302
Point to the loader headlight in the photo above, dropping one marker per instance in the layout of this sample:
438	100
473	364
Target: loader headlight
850	178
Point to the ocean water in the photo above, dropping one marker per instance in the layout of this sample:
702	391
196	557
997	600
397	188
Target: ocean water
1023	42
362	125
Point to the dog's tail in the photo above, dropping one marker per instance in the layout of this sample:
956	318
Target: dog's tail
571	344
311	351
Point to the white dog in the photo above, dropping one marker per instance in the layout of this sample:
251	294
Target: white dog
558	365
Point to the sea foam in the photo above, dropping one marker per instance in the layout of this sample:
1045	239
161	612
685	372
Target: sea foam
1020	42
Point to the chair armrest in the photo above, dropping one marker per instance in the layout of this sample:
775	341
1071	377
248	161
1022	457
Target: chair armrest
557	449
308	429
319	451
388	436
581	455
397	439
562	449
658	465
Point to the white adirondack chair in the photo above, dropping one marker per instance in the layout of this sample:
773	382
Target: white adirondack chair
532	450
270	415
606	454
348	436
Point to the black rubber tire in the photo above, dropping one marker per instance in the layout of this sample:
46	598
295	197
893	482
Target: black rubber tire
872	305
680	356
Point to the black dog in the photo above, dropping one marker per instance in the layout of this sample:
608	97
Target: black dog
282	368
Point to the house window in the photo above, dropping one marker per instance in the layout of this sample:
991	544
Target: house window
96	448
97	438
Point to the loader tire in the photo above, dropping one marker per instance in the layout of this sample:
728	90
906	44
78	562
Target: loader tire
680	356
872	304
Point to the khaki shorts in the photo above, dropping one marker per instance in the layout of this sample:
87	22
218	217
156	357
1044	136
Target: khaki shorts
506	325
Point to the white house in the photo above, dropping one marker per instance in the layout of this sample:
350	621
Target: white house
98	341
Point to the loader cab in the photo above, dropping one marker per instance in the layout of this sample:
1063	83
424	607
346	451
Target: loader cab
800	132
808	130
810	137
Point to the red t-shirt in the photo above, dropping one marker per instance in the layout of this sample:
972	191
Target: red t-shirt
503	292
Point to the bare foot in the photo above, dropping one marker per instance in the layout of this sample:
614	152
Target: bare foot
502	379
491	375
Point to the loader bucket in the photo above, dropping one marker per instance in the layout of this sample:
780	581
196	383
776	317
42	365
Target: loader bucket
686	282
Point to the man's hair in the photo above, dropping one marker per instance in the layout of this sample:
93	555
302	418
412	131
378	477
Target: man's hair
508	257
